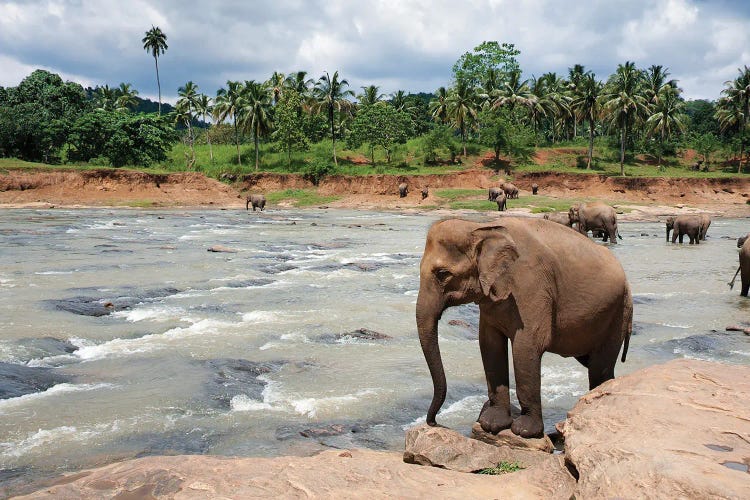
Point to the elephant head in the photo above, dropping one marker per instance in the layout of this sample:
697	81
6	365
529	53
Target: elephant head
574	214
741	240
461	263
670	225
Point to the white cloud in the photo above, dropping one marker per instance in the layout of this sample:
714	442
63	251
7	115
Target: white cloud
399	44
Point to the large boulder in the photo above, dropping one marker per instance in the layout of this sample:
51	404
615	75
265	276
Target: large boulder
331	474
677	430
507	438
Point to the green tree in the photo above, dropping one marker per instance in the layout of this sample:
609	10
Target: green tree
370	95
276	85
586	105
378	125
513	92
126	97
667	117
331	97
623	103
184	114
204	107
734	107
439	106
289	133
106	98
472	67
462	108
256	113
227	105
438	140
705	145
505	138
155	42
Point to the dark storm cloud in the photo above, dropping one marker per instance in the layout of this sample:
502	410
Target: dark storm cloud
408	44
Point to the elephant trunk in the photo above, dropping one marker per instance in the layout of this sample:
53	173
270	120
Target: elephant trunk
428	314
247	204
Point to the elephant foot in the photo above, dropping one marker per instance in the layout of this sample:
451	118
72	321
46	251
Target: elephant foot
528	426
493	419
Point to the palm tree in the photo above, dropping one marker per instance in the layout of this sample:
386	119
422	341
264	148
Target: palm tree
439	106
155	42
256	112
398	100
299	83
204	107
655	80
276	85
106	97
512	92
462	108
623	103
370	95
734	107
555	101
188	96
666	116
540	104
183	114
126	97
331	95
228	103
575	77
586	105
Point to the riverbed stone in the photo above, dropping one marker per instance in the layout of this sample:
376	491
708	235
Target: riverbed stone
507	438
446	448
222	248
680	429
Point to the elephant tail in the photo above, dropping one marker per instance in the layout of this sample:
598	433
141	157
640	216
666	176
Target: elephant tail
618	234
627	321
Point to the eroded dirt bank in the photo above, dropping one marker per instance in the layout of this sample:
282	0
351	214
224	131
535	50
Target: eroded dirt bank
129	188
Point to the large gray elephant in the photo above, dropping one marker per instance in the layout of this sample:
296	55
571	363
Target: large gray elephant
595	216
541	286
743	243
705	224
257	201
510	190
682	225
403	190
494	192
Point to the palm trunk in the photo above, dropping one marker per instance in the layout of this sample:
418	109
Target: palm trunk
191	163
208	140
622	151
463	139
237	141
255	139
333	135
742	143
158	83
591	144
661	148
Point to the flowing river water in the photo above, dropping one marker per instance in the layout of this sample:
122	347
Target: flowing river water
121	336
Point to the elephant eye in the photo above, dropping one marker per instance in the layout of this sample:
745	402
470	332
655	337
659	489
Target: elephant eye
443	275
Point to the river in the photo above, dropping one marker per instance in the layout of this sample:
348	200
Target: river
122	336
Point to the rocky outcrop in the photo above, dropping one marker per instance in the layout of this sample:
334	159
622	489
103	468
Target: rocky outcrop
677	430
507	438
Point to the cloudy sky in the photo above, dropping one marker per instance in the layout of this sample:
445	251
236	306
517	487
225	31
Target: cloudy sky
397	44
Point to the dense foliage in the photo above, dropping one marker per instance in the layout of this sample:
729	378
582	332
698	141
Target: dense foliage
488	104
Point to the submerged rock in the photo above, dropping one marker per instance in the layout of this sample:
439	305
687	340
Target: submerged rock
363	334
221	248
18	380
99	306
234	377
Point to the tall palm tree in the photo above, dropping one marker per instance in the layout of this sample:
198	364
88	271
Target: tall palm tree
188	96
155	42
556	101
204	108
276	85
183	114
655	80
586	105
299	82
331	96
462	108
370	95
439	106
398	100
512	92
228	104
666	117
126	97
256	112
575	76
623	103
540	103
734	107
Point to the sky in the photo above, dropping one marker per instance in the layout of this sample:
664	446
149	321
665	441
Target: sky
395	44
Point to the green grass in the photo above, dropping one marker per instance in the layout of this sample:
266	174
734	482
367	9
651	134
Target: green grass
502	468
459	194
300	197
482	205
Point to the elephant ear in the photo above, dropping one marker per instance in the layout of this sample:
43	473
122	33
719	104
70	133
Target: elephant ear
496	254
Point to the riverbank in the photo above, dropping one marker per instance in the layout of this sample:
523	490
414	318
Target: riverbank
677	429
644	198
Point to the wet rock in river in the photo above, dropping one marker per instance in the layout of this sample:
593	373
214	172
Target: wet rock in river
248	283
98	306
17	380
276	268
362	334
234	377
37	348
221	248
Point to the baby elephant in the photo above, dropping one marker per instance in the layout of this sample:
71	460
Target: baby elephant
257	200
682	225
534	188
501	201
705	223
403	190
494	192
425	192
510	190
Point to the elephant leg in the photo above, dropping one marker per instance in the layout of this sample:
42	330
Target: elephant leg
527	363
602	361
745	282
674	235
612	230
682	235
495	415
